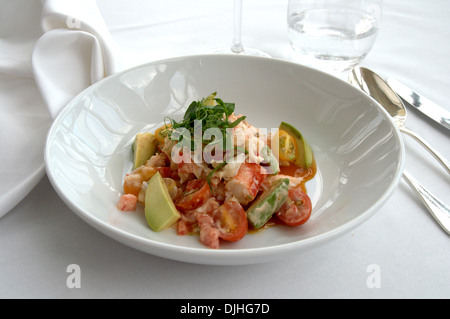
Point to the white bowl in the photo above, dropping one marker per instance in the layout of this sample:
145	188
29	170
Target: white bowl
359	152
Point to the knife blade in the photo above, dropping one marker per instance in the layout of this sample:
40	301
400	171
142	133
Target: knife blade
424	105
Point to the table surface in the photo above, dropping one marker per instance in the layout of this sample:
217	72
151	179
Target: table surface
401	244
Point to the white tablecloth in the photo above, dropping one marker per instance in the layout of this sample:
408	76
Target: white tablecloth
399	253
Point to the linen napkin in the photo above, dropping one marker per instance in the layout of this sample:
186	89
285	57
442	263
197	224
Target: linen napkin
24	119
75	51
49	52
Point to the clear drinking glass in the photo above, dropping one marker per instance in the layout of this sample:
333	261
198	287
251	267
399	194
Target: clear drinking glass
237	46
333	35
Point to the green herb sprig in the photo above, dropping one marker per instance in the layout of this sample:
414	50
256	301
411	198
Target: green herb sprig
210	175
212	112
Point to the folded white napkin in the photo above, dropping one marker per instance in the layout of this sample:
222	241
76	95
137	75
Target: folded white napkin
49	52
75	51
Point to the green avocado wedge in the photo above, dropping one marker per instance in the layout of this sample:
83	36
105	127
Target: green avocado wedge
160	211
304	156
144	146
268	203
270	161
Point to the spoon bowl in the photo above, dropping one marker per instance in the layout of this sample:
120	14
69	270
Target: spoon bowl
373	85
376	87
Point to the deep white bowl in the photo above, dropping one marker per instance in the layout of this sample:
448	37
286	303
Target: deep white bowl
359	152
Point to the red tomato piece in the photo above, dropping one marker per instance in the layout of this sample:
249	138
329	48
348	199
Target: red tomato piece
197	192
184	228
297	208
231	220
164	171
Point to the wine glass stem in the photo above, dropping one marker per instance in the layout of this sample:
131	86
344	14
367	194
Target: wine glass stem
237	25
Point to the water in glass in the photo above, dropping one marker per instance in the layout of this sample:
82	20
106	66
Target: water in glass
337	38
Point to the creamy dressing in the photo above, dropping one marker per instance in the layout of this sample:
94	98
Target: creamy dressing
250	138
293	181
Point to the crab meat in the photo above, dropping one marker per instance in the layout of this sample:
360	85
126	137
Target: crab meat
245	185
127	202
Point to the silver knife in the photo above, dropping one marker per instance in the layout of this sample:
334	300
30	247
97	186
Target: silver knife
424	105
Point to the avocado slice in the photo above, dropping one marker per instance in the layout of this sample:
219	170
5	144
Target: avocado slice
144	146
268	203
270	160
160	210
304	156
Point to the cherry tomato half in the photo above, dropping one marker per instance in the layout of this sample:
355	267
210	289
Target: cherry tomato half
197	192
297	208
287	147
231	220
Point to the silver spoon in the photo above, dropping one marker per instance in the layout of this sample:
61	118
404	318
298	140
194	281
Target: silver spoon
376	87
